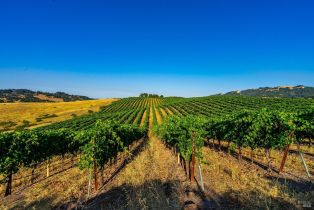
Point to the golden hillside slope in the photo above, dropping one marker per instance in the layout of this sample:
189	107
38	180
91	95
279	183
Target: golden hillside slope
32	114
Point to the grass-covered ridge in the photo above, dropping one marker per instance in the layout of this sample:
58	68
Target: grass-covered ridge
25	95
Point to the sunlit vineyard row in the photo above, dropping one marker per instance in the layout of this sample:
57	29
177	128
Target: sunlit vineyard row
134	110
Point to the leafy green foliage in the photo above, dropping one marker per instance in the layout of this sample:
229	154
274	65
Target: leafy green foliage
101	142
183	133
265	128
25	148
105	140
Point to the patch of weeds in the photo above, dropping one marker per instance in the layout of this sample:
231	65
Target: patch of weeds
25	124
8	124
45	116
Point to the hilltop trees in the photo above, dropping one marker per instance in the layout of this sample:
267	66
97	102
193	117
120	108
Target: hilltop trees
145	95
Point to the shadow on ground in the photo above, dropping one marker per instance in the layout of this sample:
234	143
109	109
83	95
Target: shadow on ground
154	194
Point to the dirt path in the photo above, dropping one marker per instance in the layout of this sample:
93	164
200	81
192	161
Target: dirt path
153	180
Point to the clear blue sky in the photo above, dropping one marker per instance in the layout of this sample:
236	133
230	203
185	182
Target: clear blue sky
172	47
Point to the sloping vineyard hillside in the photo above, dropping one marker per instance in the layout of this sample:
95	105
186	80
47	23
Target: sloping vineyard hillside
192	131
133	110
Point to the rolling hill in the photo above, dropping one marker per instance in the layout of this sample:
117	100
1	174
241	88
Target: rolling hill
24	95
299	91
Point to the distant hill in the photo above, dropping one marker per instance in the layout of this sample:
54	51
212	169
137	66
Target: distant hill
24	95
299	91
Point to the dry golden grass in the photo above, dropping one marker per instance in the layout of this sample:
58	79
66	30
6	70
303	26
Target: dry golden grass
150	117
44	97
48	192
163	112
151	181
137	118
293	166
143	118
169	111
159	118
59	111
238	184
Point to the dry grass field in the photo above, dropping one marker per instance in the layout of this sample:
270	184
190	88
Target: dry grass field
15	115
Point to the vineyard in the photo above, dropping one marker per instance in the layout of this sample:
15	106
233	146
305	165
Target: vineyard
136	110
263	131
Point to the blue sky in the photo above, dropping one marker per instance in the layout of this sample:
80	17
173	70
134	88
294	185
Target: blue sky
185	48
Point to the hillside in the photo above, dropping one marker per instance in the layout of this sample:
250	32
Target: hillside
24	115
24	95
299	91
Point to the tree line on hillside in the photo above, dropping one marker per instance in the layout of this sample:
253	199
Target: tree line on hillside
299	91
25	95
145	95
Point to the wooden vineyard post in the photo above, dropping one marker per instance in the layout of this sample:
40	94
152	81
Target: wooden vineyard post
9	185
267	151
303	161
201	177
192	169
95	174
240	153
62	165
72	160
95	167
48	166
284	158
252	154
304	164
219	144
33	174
89	182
